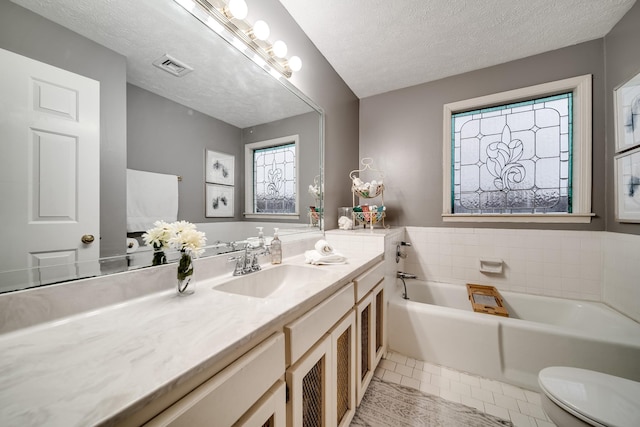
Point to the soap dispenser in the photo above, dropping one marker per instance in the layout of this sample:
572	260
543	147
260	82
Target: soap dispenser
276	248
260	237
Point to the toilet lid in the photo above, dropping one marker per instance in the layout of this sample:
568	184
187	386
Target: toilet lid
593	396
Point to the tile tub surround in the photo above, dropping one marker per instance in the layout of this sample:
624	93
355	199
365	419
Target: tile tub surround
543	262
128	355
585	265
622	273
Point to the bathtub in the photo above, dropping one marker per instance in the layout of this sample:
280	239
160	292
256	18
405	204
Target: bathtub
438	325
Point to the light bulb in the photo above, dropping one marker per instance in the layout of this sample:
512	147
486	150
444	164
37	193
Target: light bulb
261	30
295	63
280	49
238	9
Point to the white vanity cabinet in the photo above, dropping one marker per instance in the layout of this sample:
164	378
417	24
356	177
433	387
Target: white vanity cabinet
321	349
311	374
249	392
370	325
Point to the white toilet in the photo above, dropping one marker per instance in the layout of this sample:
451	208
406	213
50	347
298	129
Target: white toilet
578	397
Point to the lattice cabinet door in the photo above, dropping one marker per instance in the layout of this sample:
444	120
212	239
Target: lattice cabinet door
343	371
309	382
269	411
380	323
365	339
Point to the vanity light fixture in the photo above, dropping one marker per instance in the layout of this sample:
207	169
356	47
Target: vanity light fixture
228	20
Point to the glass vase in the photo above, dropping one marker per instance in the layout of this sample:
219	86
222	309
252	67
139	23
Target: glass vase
186	286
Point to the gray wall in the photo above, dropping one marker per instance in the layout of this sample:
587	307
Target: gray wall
622	61
402	131
166	137
320	82
306	126
28	34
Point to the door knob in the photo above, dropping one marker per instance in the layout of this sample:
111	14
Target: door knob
87	238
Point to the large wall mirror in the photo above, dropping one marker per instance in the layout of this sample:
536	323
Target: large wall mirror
143	118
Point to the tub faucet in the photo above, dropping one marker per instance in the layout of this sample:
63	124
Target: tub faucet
402	275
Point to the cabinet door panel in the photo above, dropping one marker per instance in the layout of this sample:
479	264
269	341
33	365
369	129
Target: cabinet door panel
380	323
364	344
309	390
343	372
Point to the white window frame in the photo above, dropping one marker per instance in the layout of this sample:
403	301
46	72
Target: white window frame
248	177
581	192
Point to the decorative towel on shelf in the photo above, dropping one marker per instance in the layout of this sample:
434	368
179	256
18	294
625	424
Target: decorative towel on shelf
150	197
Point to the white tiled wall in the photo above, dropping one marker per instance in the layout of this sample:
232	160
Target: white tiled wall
587	265
622	273
544	262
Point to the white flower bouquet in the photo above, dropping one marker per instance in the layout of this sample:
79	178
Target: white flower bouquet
181	236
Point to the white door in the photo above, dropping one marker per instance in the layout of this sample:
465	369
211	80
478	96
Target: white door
49	172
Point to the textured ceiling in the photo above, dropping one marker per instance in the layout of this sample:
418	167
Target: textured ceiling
224	83
378	46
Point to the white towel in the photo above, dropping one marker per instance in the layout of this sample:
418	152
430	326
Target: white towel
323	247
316	258
150	197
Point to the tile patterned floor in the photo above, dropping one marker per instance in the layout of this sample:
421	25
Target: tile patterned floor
522	407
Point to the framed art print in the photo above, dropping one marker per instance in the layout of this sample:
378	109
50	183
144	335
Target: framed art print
627	172
219	168
219	201
626	100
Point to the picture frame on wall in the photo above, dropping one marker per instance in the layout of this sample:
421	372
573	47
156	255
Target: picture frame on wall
627	186
626	99
219	201
219	168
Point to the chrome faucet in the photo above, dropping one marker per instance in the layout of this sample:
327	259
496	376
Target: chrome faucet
247	261
402	275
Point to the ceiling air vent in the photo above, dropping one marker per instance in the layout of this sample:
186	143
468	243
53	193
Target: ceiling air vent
172	65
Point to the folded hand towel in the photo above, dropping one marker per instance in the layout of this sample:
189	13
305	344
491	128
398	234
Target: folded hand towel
323	247
316	258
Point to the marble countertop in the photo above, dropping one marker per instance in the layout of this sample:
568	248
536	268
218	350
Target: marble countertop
97	366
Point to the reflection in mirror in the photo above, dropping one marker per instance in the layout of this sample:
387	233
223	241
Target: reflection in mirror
93	105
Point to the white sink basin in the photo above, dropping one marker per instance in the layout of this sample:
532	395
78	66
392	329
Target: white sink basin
273	282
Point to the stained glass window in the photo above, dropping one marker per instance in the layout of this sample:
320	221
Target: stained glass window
513	158
274	179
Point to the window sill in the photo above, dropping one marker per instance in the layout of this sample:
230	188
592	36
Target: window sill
271	216
520	218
